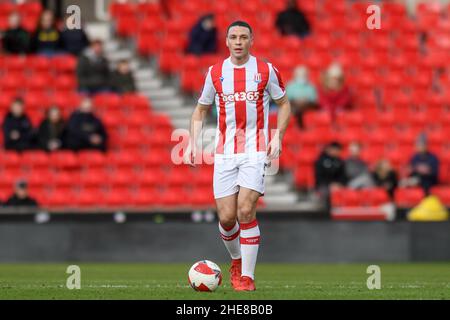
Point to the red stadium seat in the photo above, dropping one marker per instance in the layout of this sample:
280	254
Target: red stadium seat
443	193
64	64
408	197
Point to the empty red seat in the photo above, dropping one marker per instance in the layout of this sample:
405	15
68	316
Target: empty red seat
443	193
408	197
64	63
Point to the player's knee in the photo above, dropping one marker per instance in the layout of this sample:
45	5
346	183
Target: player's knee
245	211
227	222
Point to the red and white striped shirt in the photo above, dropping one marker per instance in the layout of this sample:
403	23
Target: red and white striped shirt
242	96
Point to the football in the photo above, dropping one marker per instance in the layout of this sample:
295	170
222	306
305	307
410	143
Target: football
205	275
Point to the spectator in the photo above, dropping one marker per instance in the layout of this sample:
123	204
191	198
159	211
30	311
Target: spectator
73	41
203	36
17	128
329	169
93	69
292	21
21	198
301	93
386	177
85	130
122	79
46	40
334	95
15	39
357	173
423	167
51	130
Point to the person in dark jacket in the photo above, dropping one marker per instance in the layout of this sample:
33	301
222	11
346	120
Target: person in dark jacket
21	198
203	36
74	41
292	21
93	70
386	177
329	169
51	130
16	40
423	167
122	80
17	128
46	40
85	130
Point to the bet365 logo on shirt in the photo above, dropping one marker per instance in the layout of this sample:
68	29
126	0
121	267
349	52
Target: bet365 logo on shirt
240	96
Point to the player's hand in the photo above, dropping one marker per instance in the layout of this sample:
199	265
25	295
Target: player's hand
274	148
189	156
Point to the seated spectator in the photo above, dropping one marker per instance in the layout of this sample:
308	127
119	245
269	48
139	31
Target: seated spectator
292	21
93	70
356	170
51	130
85	130
386	177
73	41
46	39
423	167
122	80
334	95
203	36
301	93
20	198
15	39
329	169
17	128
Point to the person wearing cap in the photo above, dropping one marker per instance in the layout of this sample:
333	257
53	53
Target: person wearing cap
21	198
329	169
334	94
301	93
423	166
203	36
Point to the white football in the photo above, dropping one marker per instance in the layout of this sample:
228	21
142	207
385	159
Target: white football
205	276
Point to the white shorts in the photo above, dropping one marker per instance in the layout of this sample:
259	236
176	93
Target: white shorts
240	170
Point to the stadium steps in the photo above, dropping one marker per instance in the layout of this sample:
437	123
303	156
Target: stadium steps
168	99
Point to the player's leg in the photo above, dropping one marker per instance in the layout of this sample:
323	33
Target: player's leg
251	187
250	234
228	225
225	193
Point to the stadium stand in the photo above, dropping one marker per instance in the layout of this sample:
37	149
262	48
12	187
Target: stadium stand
397	78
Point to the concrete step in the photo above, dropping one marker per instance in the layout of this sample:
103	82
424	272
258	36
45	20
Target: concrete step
162	94
166	104
274	199
148	85
278	188
144	74
119	55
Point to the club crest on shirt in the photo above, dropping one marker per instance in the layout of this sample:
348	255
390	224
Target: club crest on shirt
257	77
221	79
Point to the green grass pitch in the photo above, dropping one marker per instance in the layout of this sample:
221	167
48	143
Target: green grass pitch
274	281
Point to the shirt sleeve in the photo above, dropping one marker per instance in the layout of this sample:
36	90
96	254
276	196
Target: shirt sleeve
208	91
275	86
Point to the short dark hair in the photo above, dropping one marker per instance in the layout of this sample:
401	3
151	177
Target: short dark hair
240	23
18	100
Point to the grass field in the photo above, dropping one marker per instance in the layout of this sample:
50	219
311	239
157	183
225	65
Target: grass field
274	281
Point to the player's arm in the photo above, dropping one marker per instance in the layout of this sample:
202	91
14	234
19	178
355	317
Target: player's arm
284	113
197	118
